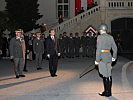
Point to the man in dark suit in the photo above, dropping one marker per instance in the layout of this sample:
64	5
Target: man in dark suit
53	52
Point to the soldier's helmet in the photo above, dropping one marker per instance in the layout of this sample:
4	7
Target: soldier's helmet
103	27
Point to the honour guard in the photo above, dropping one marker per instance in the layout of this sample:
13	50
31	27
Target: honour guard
105	43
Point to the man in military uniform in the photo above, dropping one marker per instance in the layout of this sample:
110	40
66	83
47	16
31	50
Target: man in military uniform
71	46
88	42
38	48
92	45
77	44
105	43
61	44
17	53
84	45
66	44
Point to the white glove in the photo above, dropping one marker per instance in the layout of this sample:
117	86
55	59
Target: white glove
96	63
48	55
113	59
58	54
11	57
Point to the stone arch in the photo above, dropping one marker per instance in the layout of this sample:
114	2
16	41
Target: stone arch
122	26
112	18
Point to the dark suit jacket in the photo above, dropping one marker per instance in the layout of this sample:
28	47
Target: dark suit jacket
51	46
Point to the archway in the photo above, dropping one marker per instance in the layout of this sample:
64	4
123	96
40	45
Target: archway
122	30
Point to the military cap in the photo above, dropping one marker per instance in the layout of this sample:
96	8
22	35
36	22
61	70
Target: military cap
19	30
38	33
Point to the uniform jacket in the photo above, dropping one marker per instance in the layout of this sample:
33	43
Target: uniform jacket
16	48
38	46
105	42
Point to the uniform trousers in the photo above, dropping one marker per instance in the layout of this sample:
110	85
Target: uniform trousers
38	60
18	66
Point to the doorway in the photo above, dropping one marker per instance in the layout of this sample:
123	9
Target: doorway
122	30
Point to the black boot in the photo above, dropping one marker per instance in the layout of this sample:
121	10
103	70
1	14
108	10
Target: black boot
105	87
109	93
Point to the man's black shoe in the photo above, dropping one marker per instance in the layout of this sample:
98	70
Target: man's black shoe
55	75
102	94
22	75
105	94
25	70
39	68
52	75
17	76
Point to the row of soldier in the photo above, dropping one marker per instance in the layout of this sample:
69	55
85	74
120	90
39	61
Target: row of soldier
70	46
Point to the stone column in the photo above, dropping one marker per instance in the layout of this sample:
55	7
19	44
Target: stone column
103	10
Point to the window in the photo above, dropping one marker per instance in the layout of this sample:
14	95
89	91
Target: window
59	1
63	8
65	1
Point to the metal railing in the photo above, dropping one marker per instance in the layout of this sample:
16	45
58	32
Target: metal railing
67	25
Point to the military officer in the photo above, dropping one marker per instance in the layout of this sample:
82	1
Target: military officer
61	44
17	53
88	39
71	46
105	43
66	44
84	45
77	43
38	48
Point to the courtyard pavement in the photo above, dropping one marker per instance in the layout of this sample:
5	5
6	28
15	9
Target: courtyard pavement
38	85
